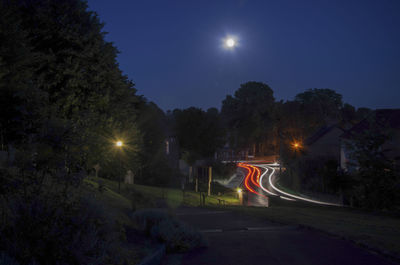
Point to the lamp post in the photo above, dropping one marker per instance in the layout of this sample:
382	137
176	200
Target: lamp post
119	145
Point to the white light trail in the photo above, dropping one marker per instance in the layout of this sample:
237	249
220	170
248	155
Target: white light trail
286	198
291	195
261	185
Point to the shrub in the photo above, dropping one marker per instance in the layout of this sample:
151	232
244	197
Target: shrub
6	260
49	232
176	235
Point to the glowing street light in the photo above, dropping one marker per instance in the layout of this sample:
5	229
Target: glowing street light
296	145
119	143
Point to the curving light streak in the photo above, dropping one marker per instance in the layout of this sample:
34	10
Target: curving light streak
246	178
250	173
286	198
261	183
291	195
255	169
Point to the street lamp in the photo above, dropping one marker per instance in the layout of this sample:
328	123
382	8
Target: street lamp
296	145
119	144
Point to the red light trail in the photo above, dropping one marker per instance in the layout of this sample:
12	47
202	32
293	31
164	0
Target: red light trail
250	176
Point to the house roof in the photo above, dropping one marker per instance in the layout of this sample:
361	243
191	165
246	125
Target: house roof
384	118
320	133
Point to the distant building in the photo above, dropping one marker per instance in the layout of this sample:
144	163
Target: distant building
385	121
324	144
226	153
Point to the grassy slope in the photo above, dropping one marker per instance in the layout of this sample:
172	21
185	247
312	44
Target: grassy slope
380	232
117	206
116	209
150	195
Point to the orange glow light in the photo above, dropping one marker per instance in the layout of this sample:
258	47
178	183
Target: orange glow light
296	145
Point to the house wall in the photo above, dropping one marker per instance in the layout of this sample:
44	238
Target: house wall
327	146
346	162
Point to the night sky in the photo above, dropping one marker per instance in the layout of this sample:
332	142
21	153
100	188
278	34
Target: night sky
173	50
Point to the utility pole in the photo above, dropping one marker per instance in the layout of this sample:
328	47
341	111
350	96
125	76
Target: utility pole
120	171
280	149
119	145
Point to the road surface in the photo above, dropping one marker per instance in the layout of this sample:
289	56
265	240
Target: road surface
236	239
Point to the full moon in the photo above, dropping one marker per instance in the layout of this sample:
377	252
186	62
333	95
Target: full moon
230	42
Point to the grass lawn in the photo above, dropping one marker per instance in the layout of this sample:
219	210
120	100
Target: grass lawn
151	196
379	231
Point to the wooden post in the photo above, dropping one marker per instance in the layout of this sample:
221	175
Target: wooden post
97	168
240	194
196	184
209	180
190	174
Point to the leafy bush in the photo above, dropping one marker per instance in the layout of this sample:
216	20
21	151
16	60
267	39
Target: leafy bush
176	235
38	230
47	230
6	260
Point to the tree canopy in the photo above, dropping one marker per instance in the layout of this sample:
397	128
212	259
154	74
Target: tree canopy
199	133
248	115
57	68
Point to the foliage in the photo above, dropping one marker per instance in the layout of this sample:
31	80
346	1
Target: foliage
56	66
377	183
320	105
155	168
7	260
248	114
176	235
48	223
199	133
65	102
349	113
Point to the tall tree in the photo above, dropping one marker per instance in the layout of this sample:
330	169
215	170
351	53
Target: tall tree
320	106
57	66
199	133
376	183
249	114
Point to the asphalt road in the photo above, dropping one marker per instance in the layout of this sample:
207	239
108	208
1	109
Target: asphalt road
238	239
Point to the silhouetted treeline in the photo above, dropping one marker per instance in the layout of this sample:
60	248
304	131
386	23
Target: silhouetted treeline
64	103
